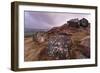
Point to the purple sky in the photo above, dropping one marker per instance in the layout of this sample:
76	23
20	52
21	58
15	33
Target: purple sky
45	20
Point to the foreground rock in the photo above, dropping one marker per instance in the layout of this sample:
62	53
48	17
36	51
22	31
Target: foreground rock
59	46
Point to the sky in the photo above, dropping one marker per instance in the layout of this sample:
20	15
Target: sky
47	20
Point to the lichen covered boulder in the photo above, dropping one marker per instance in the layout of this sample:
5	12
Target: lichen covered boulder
59	46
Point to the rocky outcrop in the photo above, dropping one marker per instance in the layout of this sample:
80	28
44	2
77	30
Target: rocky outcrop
39	37
84	22
74	23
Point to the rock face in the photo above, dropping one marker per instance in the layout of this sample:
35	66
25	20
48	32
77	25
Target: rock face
58	46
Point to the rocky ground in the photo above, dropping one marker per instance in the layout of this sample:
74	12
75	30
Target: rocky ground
79	49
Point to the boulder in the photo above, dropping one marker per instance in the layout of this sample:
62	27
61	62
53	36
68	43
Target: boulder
84	22
59	46
73	22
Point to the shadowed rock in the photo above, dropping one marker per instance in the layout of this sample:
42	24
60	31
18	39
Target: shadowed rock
85	46
84	22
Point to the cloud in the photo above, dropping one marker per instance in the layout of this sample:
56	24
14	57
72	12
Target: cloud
45	20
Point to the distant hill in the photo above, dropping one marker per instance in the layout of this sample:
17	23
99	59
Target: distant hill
26	30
